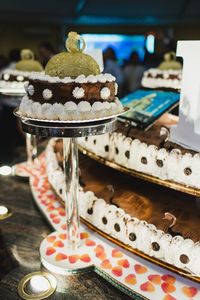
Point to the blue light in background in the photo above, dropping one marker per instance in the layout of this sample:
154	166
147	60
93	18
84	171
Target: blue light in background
150	43
122	44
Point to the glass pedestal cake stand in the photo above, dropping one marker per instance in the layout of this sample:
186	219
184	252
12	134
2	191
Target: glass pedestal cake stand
69	131
21	169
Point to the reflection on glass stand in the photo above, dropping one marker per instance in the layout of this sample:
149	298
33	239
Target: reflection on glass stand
71	171
20	169
31	148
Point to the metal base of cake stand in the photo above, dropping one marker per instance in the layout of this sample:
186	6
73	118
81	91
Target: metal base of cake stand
71	245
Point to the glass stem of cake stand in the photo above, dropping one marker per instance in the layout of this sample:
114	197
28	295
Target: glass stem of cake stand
71	170
31	147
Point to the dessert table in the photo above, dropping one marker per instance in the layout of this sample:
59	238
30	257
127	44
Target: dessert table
20	237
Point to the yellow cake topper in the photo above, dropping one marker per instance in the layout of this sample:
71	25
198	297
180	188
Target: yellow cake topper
28	63
72	63
170	62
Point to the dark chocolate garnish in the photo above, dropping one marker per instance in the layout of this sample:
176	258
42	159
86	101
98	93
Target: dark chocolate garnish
104	220
127	154
187	171
155	246
117	227
94	142
86	138
132	236
90	211
60	191
106	148
159	163
184	259
116	150
144	160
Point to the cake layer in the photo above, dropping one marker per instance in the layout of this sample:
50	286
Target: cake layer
13	79
132	210
70	110
156	78
44	91
52	98
14	75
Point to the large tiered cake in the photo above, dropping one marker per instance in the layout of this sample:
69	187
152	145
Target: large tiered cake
168	75
141	218
72	88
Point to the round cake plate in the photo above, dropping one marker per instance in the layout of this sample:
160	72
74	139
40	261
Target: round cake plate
69	132
12	92
24	169
64	130
19	115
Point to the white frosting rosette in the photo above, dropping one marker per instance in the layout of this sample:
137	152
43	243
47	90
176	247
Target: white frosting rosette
143	232
103	145
173	162
107	221
123	220
119	156
194	263
131	238
119	224
183	255
195	167
156	247
142	163
165	242
87	201
122	150
113	139
160	169
173	248
98	212
134	162
184	171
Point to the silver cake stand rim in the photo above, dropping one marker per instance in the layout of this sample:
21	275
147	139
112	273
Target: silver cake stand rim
68	130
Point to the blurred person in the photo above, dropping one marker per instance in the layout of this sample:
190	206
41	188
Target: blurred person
133	72
46	51
111	66
13	57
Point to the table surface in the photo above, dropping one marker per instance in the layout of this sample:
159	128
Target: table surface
20	237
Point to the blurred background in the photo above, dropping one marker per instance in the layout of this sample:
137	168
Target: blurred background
133	35
129	31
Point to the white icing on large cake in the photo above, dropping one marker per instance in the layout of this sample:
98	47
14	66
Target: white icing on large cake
136	233
68	111
164	164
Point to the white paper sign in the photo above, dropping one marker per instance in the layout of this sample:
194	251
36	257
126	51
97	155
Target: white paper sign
187	131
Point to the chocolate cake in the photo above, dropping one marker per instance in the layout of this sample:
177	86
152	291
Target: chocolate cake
72	88
16	79
160	222
167	76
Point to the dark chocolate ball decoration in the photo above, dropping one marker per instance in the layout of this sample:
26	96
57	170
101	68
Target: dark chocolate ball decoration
132	236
